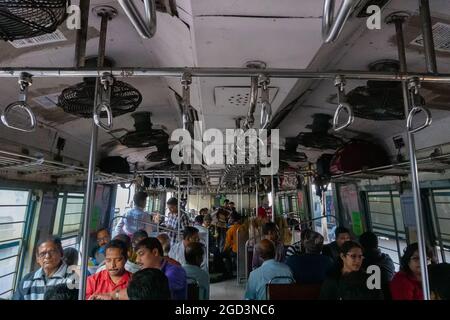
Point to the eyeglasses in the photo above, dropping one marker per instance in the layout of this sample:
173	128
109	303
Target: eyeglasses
106	239
51	253
355	256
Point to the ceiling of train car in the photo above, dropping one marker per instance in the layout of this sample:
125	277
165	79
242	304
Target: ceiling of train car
215	33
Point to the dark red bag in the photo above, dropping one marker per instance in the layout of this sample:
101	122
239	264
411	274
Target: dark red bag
358	155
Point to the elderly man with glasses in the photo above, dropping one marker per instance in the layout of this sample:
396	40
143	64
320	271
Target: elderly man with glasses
53	271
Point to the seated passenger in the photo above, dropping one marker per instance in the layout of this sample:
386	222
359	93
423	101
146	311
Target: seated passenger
333	249
52	271
98	252
439	276
373	256
114	277
270	268
138	236
348	281
190	234
70	256
130	265
61	292
298	247
194	257
406	284
270	232
149	284
310	267
231	243
150	255
164	239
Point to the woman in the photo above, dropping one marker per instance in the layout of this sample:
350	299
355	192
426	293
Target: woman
406	284
348	281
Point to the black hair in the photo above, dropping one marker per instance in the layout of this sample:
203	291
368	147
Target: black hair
199	219
100	230
140	234
235	217
118	244
226	200
368	240
268	227
439	276
189	232
151	243
340	230
70	256
172	202
193	253
203	210
408	252
149	284
346	247
140	197
231	202
313	242
61	292
55	240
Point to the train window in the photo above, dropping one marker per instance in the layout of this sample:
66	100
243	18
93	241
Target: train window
13	215
441	205
69	215
387	222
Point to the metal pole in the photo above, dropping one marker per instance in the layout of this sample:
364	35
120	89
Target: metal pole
438	228
81	37
395	225
399	19
90	189
273	198
179	203
427	32
257	197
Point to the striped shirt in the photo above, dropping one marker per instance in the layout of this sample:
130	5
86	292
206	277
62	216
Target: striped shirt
34	285
171	222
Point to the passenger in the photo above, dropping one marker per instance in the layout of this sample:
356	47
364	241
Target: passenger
298	247
130	264
407	283
310	267
165	243
198	221
149	284
52	271
270	269
70	256
194	255
138	236
114	277
270	231
61	292
172	221
333	249
136	218
212	244
348	281
221	227
231	244
204	211
232	207
373	256
439	276
190	234
98	252
150	255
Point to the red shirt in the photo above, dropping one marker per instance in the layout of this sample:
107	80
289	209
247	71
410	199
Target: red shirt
262	213
405	287
101	283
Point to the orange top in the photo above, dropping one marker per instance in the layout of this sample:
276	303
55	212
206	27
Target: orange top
231	239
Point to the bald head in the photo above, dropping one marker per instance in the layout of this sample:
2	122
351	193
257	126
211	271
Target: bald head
266	249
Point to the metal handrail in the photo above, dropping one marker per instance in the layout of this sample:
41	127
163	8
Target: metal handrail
158	227
145	26
331	26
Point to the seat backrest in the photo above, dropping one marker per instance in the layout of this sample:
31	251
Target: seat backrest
293	291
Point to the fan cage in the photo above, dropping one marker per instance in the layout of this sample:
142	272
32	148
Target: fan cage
141	139
318	141
22	19
79	99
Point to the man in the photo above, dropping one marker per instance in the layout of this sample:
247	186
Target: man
98	252
138	236
150	255
172	222
149	284
374	256
310	267
130	265
270	232
190	234
194	256
259	278
232	207
135	218
221	227
231	244
52	271
114	277
439	276
165	243
333	249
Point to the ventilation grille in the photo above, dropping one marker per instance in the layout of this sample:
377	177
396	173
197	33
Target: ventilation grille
441	36
56	36
226	97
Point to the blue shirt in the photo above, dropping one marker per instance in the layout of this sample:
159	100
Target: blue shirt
134	220
177	280
260	277
310	268
201	276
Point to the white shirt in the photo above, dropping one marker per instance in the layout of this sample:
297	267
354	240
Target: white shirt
177	253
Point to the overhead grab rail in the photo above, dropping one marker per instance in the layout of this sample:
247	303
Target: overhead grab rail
25	80
186	81
145	26
417	107
332	26
107	82
342	106
266	108
250	120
